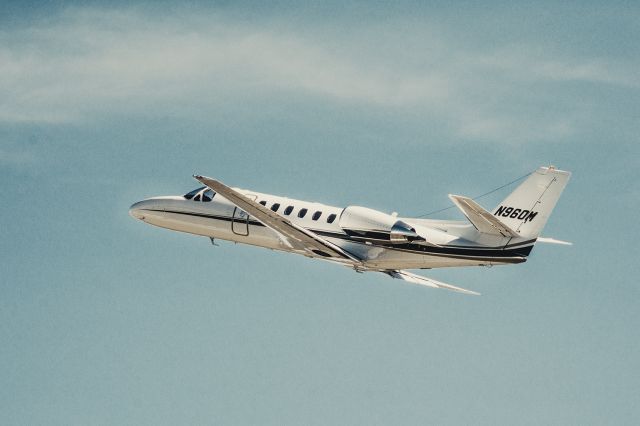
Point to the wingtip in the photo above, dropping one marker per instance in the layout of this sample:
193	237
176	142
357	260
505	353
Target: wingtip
462	290
429	282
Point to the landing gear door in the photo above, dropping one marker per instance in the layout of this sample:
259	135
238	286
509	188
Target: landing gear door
240	219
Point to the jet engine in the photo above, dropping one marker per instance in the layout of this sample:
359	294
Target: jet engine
372	224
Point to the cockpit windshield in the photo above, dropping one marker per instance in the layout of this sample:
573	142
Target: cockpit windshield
191	194
200	194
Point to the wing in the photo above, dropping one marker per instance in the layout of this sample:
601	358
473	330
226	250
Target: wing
295	236
480	218
429	282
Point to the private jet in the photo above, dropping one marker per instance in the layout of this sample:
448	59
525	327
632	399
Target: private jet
364	239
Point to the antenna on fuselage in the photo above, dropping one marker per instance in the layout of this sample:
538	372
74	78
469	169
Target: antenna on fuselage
478	196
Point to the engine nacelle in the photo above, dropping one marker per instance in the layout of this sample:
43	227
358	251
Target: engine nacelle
372	224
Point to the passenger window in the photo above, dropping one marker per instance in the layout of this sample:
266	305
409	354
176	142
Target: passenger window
302	212
331	218
316	215
288	210
197	198
263	202
275	207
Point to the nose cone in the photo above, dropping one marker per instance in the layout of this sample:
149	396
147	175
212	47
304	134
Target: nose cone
137	210
154	207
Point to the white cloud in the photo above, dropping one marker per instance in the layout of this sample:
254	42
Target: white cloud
73	65
91	62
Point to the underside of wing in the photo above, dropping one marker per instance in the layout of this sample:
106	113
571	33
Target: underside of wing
429	282
293	235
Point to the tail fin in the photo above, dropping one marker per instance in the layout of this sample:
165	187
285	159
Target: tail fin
527	209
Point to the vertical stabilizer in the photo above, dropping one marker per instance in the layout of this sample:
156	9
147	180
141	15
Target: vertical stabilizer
527	209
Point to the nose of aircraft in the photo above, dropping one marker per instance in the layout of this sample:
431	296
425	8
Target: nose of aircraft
137	209
154	206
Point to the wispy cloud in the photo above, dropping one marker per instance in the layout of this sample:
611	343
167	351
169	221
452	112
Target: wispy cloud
531	63
93	62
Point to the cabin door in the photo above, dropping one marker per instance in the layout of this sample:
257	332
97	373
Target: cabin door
240	219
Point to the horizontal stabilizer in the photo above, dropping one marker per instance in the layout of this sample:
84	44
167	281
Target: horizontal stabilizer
428	282
481	219
549	240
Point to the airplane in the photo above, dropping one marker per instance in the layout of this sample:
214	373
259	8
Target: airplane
365	239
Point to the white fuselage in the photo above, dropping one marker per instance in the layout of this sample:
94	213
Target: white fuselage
445	245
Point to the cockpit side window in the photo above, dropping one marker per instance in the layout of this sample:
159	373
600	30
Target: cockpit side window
208	195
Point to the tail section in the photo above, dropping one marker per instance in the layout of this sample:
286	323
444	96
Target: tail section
527	209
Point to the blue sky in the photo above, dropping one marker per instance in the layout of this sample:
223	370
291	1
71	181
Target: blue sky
108	321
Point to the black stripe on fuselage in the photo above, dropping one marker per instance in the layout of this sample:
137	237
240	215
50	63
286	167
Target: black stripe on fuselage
479	252
465	252
210	216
